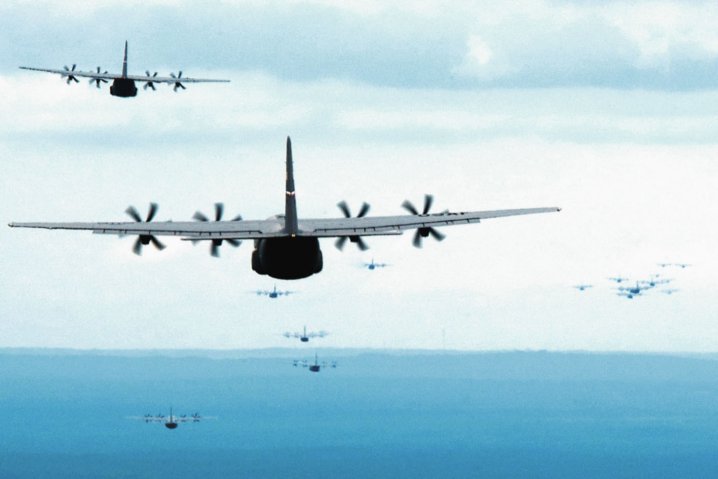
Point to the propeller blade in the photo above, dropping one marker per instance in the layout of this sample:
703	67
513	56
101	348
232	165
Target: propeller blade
218	211
152	212
137	247
133	214
345	209
361	244
417	239
214	249
364	210
237	218
439	236
347	214
428	201
157	243
234	242
199	216
409	207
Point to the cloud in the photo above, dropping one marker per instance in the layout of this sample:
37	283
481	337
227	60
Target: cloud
528	44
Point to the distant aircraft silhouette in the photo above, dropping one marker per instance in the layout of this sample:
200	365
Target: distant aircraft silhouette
316	366
304	336
632	291
273	293
123	85
372	266
677	265
583	287
669	291
171	421
618	279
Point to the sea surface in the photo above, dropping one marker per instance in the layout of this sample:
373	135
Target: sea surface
68	414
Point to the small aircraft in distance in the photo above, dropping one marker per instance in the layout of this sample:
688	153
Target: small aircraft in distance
285	245
304	336
316	366
654	281
171	421
583	287
677	265
669	291
631	291
630	294
273	293
123	85
372	266
618	279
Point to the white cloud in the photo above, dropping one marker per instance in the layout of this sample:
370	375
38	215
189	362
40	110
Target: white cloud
666	31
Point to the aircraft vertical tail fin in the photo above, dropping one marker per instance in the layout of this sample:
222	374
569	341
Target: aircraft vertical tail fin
290	207
124	62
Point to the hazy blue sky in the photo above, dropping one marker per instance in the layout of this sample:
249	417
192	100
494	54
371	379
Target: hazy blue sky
605	109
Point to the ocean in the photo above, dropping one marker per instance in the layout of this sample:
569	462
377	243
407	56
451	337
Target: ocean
378	414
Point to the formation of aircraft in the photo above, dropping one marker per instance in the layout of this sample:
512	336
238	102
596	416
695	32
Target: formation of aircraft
123	85
305	336
273	293
285	245
316	366
171	421
641	286
631	292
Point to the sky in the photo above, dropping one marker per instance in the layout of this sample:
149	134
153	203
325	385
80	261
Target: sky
606	109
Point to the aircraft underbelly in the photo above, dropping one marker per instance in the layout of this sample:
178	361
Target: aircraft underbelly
123	88
288	258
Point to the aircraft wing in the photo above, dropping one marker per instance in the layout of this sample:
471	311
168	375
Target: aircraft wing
76	73
389	225
274	227
197	230
114	76
171	80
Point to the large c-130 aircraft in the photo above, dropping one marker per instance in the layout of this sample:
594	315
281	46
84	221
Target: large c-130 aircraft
285	246
123	85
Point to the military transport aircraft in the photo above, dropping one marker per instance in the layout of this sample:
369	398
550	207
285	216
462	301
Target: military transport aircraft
631	291
171	421
123	85
285	246
372	266
304	336
583	287
316	366
273	293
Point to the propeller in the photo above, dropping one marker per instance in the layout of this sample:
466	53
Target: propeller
178	84
69	74
97	81
150	83
354	238
425	231
216	243
144	239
